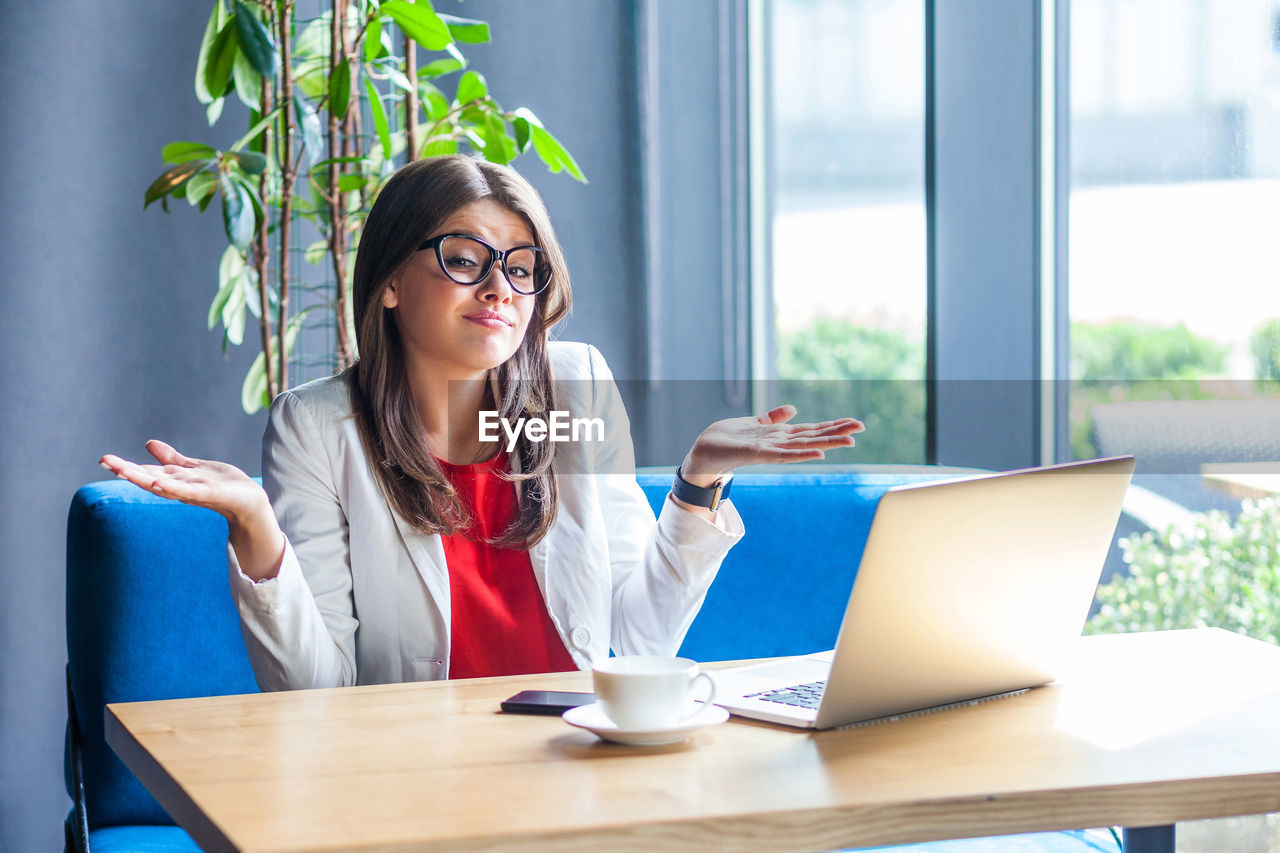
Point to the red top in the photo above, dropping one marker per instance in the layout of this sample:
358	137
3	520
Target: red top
500	621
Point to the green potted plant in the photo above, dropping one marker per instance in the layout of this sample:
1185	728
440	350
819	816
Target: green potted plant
1212	572
335	102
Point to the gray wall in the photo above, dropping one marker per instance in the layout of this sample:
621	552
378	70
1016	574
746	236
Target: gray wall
103	306
573	63
104	340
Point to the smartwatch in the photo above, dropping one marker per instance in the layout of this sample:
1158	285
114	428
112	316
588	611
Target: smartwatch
709	497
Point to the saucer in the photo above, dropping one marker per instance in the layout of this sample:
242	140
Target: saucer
592	718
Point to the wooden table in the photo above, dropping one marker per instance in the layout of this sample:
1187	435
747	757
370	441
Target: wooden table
1142	730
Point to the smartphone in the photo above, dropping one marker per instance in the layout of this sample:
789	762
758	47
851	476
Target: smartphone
545	702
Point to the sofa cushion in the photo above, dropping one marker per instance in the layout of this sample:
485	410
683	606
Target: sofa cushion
141	839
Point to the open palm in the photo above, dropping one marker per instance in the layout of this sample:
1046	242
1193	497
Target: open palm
223	488
765	439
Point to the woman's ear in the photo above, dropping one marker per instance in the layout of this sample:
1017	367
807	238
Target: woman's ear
390	299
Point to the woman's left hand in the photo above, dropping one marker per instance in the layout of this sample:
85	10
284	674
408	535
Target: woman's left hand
763	439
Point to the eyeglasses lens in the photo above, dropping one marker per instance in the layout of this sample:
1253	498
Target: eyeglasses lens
467	261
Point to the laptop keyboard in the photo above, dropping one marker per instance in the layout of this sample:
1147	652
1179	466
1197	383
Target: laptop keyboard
798	695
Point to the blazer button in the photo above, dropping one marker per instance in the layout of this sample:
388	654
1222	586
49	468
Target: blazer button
580	637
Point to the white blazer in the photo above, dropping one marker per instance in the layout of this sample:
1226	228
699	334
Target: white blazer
361	598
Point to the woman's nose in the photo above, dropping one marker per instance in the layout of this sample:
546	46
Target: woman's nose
495	287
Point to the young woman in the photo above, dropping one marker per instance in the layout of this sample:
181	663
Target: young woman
392	543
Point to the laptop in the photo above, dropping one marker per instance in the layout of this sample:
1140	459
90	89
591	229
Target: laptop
968	589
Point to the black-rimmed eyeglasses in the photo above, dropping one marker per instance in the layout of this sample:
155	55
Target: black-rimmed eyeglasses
467	260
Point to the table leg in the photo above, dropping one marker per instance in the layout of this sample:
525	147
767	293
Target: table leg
1149	839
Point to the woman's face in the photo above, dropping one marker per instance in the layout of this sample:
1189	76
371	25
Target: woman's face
460	331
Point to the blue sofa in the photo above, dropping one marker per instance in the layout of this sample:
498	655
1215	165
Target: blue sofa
149	616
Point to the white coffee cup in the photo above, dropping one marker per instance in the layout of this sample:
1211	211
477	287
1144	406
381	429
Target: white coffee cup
645	692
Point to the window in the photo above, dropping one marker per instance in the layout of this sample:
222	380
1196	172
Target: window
1175	212
846	163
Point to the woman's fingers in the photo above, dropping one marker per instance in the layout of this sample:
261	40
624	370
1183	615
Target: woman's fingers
174	477
821	442
778	415
167	455
782	414
791	455
141	475
842	426
218	486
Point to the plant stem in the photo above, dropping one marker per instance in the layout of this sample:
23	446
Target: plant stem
337	208
288	174
261	249
410	101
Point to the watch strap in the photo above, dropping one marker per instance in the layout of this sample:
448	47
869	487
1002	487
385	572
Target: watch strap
708	496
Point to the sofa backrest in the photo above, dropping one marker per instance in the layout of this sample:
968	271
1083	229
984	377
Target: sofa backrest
783	588
149	616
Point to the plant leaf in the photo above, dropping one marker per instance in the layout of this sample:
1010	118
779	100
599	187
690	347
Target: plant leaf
325	162
229	269
254	387
255	41
253	132
251	162
340	89
471	87
498	147
439	67
253	392
419	22
172	180
441	145
201	186
250	194
237	213
316	251
312	133
214	111
248	282
247	81
233	310
313	41
476	114
350	183
216	19
222	60
311	78
397	77
373	47
379	116
555	155
434	103
181	152
523	133
467	30
528	115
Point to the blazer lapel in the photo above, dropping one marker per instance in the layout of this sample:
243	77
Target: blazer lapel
427	554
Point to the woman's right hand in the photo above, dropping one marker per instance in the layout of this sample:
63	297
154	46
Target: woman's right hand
253	531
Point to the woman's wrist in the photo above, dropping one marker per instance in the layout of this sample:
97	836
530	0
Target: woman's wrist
257	539
696	472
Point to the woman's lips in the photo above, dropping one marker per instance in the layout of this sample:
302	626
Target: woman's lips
490	320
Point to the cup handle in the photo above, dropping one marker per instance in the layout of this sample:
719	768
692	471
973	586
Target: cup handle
711	694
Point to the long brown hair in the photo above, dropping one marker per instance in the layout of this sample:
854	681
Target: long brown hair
412	205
